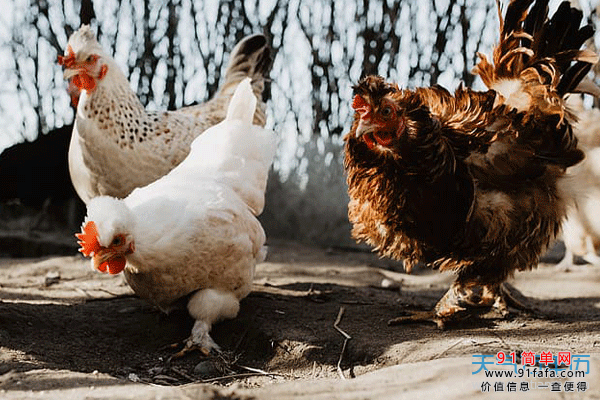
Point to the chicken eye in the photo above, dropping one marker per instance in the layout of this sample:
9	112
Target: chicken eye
90	58
386	111
118	241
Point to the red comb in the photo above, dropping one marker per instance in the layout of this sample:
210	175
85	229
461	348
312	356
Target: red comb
359	102
88	239
69	60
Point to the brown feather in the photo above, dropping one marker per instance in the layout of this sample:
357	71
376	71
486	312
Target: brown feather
473	184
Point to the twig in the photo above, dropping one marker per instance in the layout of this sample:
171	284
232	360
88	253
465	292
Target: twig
233	376
255	370
346	339
313	295
165	378
357	302
115	296
486	343
506	346
85	293
449	348
181	373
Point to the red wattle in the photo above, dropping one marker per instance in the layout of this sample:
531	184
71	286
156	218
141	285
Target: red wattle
84	81
116	265
383	138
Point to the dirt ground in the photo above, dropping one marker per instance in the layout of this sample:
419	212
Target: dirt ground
69	332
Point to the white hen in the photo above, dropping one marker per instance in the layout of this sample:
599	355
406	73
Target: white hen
194	231
116	144
581	229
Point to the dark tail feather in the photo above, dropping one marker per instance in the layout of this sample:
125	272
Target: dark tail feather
552	46
560	39
572	77
251	57
536	17
583	34
514	16
564	22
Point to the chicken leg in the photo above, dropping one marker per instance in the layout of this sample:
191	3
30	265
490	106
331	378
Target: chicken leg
207	307
568	261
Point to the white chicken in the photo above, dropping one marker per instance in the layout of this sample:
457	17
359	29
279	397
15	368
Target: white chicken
194	231
581	229
116	144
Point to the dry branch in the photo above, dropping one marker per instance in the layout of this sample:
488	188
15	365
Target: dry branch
346	339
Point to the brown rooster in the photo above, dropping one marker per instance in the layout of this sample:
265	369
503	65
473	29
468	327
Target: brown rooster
472	182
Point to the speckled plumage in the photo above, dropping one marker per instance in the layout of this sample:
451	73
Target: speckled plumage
472	182
117	145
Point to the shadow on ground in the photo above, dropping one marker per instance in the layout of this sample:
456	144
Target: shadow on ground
90	324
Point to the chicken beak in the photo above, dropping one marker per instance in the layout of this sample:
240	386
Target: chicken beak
69	73
366	126
100	257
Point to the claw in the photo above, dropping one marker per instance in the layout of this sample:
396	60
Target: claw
417	316
199	340
459	303
191	346
514	298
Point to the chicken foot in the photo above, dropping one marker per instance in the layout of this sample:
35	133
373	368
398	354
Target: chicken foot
459	303
452	306
199	340
208	306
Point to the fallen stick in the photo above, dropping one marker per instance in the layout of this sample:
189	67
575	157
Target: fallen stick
346	339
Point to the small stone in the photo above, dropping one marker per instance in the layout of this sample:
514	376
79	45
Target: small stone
133	377
390	284
51	278
205	368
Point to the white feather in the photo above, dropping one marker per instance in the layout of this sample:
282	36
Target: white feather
512	94
111	217
80	176
243	103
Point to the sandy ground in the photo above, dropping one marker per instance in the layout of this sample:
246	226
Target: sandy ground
68	332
